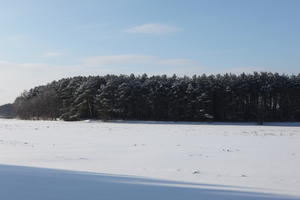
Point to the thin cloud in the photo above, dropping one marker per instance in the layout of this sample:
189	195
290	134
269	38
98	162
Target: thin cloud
89	26
135	59
15	40
52	54
139	64
154	29
15	77
17	37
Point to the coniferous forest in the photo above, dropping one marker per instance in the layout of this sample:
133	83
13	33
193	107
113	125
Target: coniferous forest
255	97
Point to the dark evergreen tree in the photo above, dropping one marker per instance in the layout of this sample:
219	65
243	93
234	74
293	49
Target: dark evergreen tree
246	97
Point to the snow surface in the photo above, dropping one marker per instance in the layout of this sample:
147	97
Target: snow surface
134	160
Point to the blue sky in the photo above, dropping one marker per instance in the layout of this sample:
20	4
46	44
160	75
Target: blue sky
43	40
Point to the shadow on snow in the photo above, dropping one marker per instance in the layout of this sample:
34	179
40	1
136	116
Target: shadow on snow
29	183
290	124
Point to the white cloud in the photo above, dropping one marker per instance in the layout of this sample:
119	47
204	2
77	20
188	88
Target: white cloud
17	77
154	29
52	54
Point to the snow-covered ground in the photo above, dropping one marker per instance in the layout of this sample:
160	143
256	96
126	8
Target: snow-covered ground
128	160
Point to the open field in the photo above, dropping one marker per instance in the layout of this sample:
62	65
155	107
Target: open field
217	161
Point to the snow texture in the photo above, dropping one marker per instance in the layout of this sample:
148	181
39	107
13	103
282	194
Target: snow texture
135	160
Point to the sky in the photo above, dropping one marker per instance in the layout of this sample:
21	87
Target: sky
45	40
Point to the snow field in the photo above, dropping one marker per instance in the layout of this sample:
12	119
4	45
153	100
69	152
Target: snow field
248	157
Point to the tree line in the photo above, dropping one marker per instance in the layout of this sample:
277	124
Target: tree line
238	98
